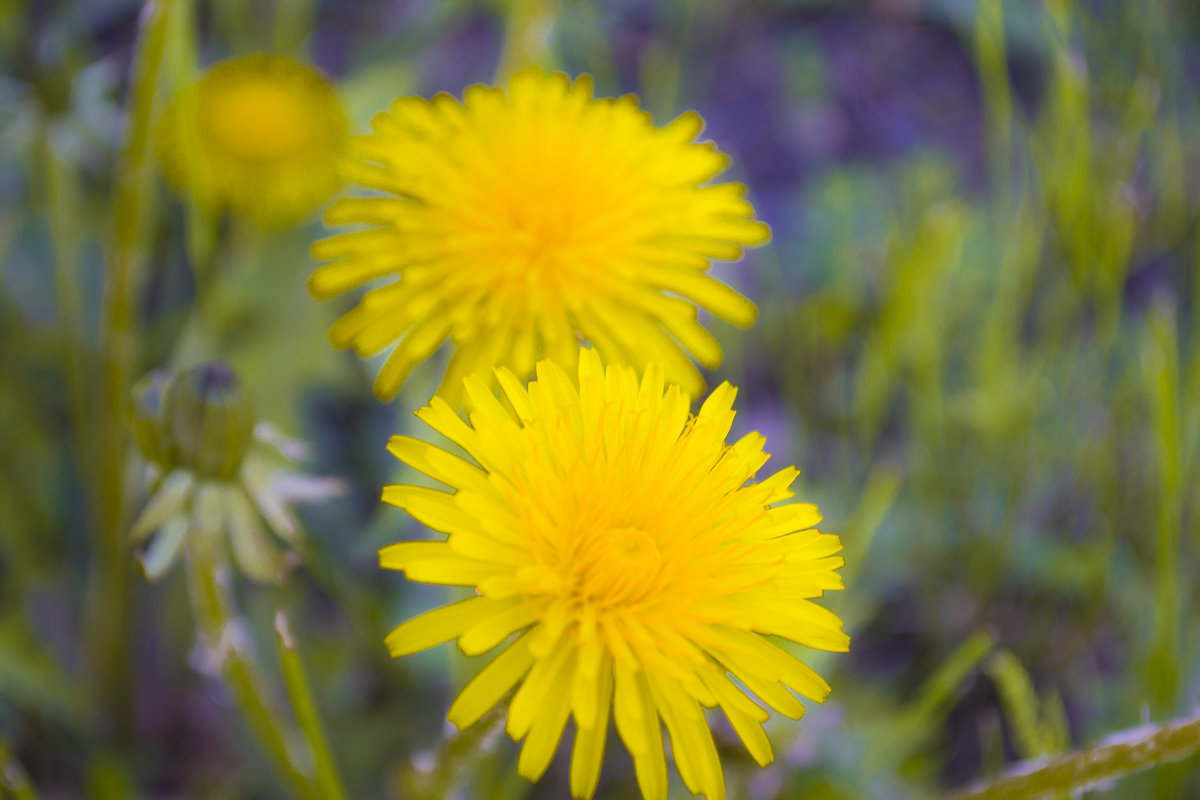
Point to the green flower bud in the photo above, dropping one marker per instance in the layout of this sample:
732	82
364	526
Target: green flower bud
209	420
144	414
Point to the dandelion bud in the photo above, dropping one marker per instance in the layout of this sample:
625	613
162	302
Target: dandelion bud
145	416
209	420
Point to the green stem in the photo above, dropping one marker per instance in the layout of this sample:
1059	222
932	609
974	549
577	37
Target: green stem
1191	389
109	624
452	759
13	777
215	303
329	782
1160	359
1123	754
219	625
291	23
63	210
529	37
992	60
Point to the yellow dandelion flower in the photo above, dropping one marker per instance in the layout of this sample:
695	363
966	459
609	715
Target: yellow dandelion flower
261	136
618	543
517	220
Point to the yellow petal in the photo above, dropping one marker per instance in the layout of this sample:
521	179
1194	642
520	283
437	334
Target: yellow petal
437	463
543	682
430	507
587	753
439	625
548	725
491	684
494	629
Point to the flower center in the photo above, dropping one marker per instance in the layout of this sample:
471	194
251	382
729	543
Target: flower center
618	566
258	121
554	225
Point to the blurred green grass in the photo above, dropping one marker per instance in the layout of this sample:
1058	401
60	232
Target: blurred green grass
978	338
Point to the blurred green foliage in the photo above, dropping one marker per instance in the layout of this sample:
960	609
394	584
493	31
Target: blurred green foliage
982	347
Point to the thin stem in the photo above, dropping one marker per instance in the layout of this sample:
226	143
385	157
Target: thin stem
991	56
221	629
295	677
205	333
13	777
62	206
109	624
529	37
1160	358
435	775
291	23
1122	754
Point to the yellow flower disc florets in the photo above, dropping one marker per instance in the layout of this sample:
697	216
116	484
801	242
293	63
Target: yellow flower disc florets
259	121
261	136
622	554
520	219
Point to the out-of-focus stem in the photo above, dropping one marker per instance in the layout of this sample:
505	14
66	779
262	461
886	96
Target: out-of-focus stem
13	777
1160	358
529	36
109	624
220	627
435	777
329	782
1122	754
292	22
62	207
1191	389
992	58
201	333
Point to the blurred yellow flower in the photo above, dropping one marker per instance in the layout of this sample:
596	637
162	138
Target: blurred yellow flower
520	219
619	539
261	136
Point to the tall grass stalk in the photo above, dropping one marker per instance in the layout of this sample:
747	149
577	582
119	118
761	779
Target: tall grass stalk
110	592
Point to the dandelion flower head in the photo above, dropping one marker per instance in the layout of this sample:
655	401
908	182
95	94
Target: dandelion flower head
261	136
624	562
517	220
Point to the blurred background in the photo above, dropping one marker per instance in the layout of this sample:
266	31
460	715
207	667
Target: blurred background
978	339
